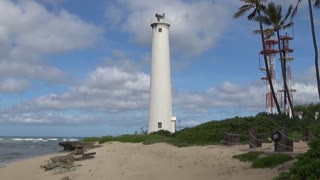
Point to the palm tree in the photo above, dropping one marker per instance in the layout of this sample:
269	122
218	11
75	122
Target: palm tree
273	17
258	6
316	59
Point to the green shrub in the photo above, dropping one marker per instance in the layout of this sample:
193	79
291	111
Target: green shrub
261	160
212	132
250	156
105	139
162	133
271	161
91	139
307	166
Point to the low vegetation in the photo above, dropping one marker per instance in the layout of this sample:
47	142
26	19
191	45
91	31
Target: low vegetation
212	132
271	160
261	160
249	157
307	166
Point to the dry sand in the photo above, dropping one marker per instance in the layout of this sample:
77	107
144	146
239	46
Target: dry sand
128	161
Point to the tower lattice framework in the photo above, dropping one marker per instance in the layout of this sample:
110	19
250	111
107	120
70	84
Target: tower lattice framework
287	59
270	53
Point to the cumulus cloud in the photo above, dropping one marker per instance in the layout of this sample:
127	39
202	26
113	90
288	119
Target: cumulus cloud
120	91
31	71
13	85
47	118
33	27
225	95
32	32
107	89
196	25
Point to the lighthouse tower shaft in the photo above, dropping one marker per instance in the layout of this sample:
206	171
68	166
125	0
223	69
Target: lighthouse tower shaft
160	110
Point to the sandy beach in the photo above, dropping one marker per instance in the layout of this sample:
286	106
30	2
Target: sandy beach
122	161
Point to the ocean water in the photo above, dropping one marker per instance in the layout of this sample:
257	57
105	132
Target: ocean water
18	148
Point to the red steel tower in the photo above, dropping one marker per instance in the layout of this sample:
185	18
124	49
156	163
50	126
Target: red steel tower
286	58
270	52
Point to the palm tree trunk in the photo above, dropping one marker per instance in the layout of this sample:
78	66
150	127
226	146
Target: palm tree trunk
315	47
283	69
267	69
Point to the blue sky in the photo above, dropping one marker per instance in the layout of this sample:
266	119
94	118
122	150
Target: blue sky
81	68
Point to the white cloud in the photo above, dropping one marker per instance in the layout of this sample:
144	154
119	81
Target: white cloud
120	90
223	96
107	89
13	85
31	26
31	71
196	26
28	31
47	118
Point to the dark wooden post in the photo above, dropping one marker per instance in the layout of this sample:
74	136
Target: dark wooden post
281	141
307	135
231	139
254	141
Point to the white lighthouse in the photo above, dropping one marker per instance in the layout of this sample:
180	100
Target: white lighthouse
160	107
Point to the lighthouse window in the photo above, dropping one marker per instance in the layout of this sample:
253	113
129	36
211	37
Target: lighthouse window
159	29
159	125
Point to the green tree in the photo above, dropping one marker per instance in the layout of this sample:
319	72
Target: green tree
258	6
273	17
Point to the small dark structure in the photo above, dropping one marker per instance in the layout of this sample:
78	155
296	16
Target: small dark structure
231	139
282	143
307	135
254	139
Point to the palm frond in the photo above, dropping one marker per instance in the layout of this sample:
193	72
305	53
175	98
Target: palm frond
249	1
317	3
268	33
253	14
288	13
295	10
242	10
273	12
290	24
264	20
278	13
257	31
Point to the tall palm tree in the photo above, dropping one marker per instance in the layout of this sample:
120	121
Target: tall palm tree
316	56
258	6
273	17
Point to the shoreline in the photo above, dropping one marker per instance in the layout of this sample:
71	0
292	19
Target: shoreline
3	165
17	148
115	160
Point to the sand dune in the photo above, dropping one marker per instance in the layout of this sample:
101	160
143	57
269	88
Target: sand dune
122	161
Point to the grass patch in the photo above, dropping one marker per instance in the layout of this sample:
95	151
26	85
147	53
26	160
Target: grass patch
295	135
250	156
271	161
261	160
91	139
145	139
307	166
